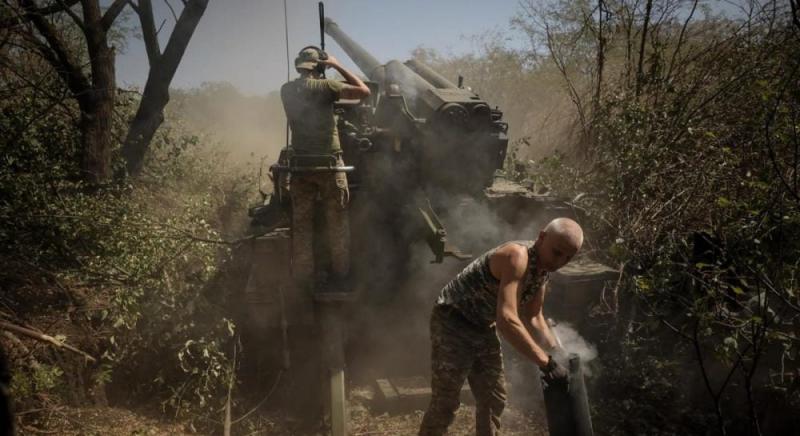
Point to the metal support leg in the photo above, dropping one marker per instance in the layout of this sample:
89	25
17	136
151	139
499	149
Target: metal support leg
338	403
333	361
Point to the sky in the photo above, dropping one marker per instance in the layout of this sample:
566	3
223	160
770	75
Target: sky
242	41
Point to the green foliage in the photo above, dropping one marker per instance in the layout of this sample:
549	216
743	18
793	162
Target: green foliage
640	395
36	379
131	271
686	176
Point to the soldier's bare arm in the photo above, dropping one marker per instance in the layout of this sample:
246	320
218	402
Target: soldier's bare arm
355	89
535	322
508	264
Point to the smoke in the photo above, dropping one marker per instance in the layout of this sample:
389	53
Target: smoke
473	224
400	283
524	379
408	81
395	269
574	343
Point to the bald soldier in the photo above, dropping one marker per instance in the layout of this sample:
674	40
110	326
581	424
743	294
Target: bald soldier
503	290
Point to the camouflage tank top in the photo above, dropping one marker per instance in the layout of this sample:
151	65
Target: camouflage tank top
473	292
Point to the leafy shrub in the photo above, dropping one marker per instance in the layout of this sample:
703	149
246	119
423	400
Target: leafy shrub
130	272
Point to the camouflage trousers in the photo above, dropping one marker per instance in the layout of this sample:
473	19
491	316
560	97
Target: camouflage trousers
462	351
334	195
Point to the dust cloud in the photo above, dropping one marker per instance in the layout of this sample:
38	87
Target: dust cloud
247	128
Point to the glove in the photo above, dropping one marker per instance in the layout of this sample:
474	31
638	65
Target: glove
554	373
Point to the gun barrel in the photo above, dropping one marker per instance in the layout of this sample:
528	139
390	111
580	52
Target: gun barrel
365	61
430	74
410	82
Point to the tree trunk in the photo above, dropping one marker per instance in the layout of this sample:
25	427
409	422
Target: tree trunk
640	67
95	95
96	116
155	97
601	47
96	139
148	118
96	119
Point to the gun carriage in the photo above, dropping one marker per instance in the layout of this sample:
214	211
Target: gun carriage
417	151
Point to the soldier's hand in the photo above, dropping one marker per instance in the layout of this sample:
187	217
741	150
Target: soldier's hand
554	372
331	61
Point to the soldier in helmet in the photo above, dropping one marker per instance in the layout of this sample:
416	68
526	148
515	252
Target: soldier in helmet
503	290
308	102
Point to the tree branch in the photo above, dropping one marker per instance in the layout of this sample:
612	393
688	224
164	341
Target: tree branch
171	9
768	140
43	11
57	54
149	32
44	338
715	396
112	13
679	44
78	20
156	90
133	6
562	68
640	66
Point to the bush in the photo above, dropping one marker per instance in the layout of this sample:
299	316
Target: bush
130	272
686	184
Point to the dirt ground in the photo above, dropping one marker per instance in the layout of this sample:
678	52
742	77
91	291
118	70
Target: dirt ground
99	421
514	423
364	420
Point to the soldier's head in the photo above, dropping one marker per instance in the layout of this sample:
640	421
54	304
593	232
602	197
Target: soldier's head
558	243
307	60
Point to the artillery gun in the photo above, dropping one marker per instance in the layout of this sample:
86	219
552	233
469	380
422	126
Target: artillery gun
424	151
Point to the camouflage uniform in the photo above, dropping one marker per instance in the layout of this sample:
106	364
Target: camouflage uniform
332	188
465	346
463	351
308	103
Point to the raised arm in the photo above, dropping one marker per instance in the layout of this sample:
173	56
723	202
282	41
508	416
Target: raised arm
355	89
